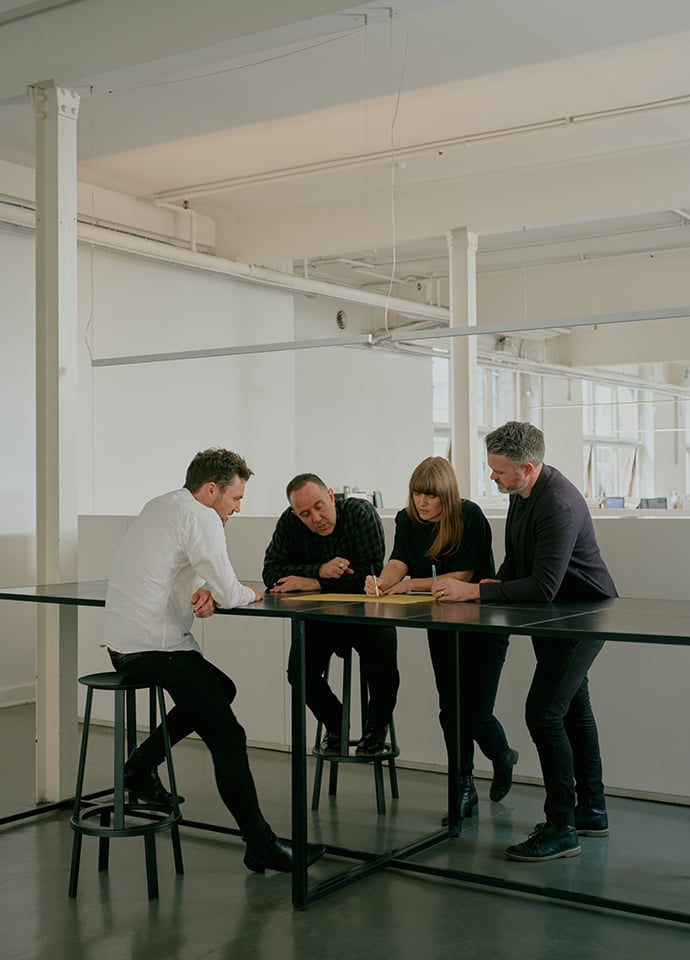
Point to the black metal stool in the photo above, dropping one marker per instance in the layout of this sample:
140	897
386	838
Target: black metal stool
388	756
129	818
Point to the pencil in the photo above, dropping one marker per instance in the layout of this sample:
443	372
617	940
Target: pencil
376	586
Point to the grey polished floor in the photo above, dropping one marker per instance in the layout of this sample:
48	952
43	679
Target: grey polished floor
220	911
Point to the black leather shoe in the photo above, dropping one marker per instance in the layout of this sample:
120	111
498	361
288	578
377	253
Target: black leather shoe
147	784
373	743
589	822
469	801
277	855
503	776
548	843
330	744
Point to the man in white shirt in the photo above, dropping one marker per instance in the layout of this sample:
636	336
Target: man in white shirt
171	566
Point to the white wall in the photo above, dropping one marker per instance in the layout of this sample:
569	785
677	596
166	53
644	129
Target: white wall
364	417
150	419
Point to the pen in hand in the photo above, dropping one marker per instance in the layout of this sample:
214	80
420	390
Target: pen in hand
376	584
433	576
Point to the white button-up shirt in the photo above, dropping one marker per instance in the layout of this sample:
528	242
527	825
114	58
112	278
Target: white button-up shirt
175	546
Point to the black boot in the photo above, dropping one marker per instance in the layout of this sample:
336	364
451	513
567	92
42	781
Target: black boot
468	799
548	841
503	775
373	742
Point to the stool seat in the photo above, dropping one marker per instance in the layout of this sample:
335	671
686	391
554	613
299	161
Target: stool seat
388	755
112	680
122	817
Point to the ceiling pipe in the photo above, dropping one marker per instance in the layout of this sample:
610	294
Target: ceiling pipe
400	153
594	320
112	239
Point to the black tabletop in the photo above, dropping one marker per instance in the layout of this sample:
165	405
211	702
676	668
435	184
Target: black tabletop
632	619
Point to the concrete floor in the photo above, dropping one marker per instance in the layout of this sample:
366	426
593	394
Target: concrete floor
220	911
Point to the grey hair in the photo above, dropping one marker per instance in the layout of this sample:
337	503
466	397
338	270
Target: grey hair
517	442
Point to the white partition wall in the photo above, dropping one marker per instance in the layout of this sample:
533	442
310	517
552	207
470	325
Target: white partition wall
639	691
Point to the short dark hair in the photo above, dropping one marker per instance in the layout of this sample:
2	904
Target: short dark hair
517	442
301	480
215	465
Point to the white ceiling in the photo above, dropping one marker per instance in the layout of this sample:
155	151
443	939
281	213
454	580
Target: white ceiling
322	120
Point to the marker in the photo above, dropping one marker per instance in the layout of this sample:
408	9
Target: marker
376	586
433	572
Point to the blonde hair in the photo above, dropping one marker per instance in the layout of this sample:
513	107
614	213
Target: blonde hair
435	477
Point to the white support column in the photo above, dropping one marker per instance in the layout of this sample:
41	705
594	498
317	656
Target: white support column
55	114
462	257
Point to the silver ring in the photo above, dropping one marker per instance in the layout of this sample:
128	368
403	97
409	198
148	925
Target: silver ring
342	566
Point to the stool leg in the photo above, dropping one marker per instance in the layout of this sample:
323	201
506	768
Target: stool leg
392	770
151	865
177	849
174	830
333	778
104	843
168	751
131	718
378	782
119	761
78	790
393	774
74	865
316	793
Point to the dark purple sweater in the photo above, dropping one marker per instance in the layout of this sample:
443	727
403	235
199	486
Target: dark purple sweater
551	551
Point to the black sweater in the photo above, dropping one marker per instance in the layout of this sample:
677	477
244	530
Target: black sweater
551	551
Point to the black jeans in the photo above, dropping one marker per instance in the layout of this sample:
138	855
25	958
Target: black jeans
562	725
481	660
202	694
378	651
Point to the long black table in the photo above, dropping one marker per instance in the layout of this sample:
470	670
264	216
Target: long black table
640	621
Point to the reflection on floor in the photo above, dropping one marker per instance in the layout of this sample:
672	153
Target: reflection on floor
220	911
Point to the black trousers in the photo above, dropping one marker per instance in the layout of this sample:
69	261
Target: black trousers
202	694
378	651
561	722
481	660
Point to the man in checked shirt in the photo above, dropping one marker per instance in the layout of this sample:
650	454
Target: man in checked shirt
323	544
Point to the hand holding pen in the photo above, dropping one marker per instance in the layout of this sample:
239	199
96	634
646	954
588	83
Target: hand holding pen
371	585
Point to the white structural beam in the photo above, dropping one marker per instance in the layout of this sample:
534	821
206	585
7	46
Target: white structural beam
462	255
55	112
363	339
549	323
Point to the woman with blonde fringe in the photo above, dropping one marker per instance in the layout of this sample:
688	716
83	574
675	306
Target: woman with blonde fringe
438	536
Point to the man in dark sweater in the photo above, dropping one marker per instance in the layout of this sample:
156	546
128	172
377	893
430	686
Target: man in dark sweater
323	544
551	555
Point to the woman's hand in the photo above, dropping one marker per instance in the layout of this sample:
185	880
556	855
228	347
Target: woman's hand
378	587
448	588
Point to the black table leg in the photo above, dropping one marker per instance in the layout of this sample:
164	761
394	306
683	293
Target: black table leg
454	745
300	881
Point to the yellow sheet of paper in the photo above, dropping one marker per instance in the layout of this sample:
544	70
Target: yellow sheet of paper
358	597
